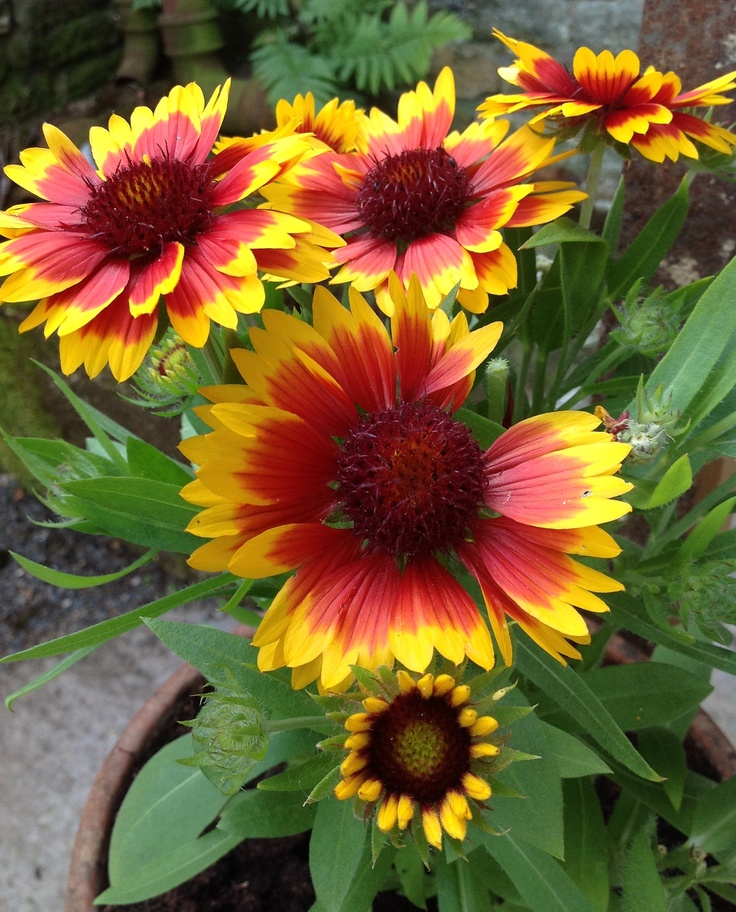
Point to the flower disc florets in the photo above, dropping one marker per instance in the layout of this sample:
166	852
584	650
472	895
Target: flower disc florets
146	204
413	194
416	750
410	479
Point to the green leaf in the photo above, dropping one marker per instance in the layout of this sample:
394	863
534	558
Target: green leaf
286	68
458	890
702	348
302	776
167	806
104	429
107	630
571	289
537	816
146	461
586	853
538	877
696	544
572	757
676	480
665	751
368	880
631	615
47	675
71	580
337	836
171	870
642	885
654	797
412	874
254	814
641	694
483	429
283	747
614	219
50	460
714	823
643	256
574	697
211	650
141	511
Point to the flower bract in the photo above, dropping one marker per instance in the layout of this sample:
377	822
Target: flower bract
648	111
341	459
156	220
419	757
415	198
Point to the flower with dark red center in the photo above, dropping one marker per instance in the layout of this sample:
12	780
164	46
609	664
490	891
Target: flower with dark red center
415	193
153	223
410	479
342	459
610	95
418	199
420	757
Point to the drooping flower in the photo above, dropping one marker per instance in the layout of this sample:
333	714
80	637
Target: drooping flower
153	222
418	199
420	757
341	459
610	96
336	127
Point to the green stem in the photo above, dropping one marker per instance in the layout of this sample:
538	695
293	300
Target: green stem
591	184
212	353
520	386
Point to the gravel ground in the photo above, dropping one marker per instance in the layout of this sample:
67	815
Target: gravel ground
54	741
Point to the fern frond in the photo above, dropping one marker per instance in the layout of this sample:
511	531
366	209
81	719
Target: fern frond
264	9
386	54
285	70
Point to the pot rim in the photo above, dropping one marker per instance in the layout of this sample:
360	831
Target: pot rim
89	852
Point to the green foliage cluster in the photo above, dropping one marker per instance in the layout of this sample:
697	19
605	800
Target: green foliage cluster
366	45
334	49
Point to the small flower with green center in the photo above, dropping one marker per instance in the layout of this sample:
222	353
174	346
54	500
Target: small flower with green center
420	756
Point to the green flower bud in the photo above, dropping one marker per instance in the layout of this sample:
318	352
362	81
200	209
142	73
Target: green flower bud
167	380
647	325
231	732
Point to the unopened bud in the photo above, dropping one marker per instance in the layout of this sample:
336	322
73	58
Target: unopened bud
648	325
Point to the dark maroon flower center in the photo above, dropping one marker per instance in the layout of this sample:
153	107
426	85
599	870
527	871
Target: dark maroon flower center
145	205
418	748
415	193
410	479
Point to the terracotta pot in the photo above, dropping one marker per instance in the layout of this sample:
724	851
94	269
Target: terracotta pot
87	877
141	43
88	871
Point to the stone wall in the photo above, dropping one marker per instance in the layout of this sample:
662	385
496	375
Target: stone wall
53	52
557	26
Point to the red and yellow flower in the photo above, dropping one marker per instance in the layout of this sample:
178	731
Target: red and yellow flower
648	111
154	222
420	756
418	199
341	459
